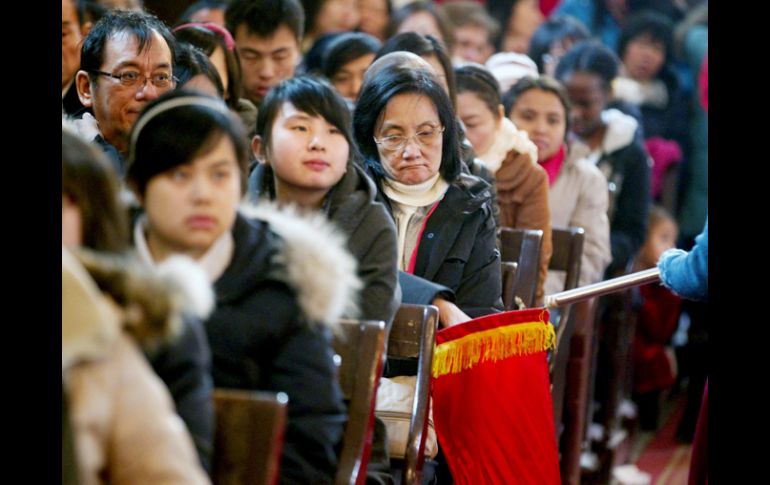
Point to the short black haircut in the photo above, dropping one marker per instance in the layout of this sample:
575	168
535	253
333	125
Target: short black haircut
191	61
555	29
140	25
313	58
423	46
480	81
347	48
373	100
543	83
312	95
176	136
264	17
651	23
589	56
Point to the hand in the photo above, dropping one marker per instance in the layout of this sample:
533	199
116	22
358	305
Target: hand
448	313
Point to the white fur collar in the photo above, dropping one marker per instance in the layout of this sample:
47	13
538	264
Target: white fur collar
620	130
319	267
507	138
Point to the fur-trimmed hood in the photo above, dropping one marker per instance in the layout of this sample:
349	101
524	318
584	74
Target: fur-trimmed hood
315	262
621	130
103	294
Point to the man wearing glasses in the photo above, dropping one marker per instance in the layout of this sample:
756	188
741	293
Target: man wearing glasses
126	62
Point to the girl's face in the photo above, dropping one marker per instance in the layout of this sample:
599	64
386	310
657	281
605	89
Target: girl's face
337	16
525	18
415	117
308	154
349	78
644	57
374	17
661	236
541	114
441	74
190	206
71	223
589	98
480	123
422	23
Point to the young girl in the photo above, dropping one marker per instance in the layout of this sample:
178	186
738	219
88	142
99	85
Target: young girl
308	159
346	61
577	189
657	319
614	138
281	284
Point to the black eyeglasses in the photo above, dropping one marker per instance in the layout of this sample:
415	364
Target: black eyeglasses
132	78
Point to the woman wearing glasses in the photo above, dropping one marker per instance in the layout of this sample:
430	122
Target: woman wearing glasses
405	128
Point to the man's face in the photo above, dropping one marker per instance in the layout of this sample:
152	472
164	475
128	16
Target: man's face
116	107
70	42
265	61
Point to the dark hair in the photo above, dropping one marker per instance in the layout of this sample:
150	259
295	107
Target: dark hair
470	13
313	58
89	11
90	181
423	46
589	56
480	81
198	6
264	17
140	25
347	48
555	29
403	13
374	98
501	10
543	83
651	23
175	136
208	40
191	61
312	95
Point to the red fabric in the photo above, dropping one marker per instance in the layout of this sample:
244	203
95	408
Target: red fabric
664	153
547	6
494	421
413	258
553	165
703	83
657	321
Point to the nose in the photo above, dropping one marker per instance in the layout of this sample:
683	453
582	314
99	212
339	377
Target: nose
317	142
266	69
200	189
147	91
411	148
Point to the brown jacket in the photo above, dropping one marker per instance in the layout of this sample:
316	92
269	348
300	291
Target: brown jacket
522	193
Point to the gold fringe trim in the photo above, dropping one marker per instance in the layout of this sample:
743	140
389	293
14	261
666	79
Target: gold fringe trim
492	345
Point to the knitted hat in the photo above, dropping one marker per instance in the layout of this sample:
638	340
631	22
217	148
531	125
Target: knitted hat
509	67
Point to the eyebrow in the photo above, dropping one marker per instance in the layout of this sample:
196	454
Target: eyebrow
133	63
251	50
389	125
299	116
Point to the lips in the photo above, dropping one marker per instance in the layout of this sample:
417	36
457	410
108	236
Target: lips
316	165
203	223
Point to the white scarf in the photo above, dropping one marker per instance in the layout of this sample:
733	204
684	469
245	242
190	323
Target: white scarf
213	262
407	199
507	138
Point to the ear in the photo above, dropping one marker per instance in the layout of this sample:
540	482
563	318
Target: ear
256	148
86	28
83	85
500	111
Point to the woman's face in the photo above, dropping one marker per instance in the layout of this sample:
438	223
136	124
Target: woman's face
349	78
374	17
541	114
202	84
422	23
440	72
190	206
217	58
307	153
525	18
337	16
589	98
71	223
415	117
480	123
644	57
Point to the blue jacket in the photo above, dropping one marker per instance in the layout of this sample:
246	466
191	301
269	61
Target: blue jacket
687	274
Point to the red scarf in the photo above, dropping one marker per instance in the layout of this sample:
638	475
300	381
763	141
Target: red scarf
553	165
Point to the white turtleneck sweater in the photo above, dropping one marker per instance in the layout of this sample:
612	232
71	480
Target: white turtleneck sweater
411	204
507	138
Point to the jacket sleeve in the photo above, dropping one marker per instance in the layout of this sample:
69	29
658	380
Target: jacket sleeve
419	291
377	268
148	442
628	226
184	365
480	290
535	213
591	214
687	274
